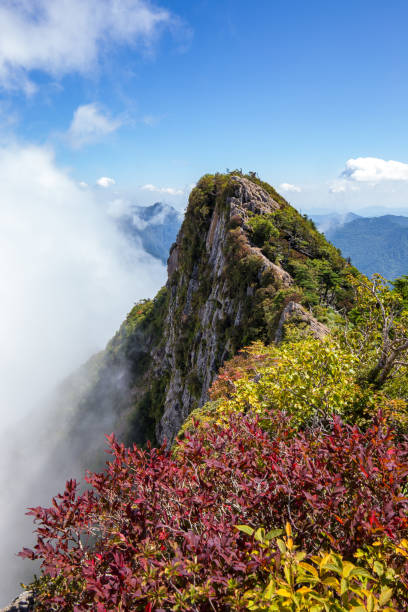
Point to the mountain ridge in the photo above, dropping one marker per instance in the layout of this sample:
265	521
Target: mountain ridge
375	244
242	370
242	255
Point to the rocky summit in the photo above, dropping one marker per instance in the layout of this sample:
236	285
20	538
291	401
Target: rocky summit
245	266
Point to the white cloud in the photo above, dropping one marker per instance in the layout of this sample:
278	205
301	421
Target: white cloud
68	278
374	170
168	190
289	187
105	182
119	207
64	266
343	185
83	184
90	124
66	36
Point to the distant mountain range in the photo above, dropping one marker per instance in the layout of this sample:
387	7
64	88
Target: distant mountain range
156	226
374	244
329	222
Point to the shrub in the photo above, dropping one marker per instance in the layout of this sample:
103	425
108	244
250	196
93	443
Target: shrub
309	379
325	581
156	531
263	229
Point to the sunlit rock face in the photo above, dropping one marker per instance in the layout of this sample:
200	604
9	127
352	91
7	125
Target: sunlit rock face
221	294
230	282
206	311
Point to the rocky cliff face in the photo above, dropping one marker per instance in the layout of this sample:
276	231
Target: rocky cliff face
209	319
245	265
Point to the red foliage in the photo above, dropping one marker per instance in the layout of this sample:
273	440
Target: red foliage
154	526
237	367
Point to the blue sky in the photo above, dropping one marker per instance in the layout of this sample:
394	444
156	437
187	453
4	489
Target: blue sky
311	95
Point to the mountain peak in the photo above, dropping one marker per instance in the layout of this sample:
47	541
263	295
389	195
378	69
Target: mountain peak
245	266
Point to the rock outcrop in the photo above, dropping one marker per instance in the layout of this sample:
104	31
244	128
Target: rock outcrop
230	281
215	310
22	603
295	313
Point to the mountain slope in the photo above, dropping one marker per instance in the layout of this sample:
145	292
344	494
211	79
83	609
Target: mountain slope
291	435
330	222
378	244
245	264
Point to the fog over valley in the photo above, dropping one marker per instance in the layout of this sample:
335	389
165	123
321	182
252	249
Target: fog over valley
69	276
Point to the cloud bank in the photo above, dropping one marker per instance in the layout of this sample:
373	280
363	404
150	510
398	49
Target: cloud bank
374	170
67	36
68	277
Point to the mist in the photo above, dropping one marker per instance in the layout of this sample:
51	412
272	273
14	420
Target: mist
68	278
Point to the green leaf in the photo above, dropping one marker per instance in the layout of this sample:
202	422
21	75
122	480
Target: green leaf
245	529
370	603
347	568
309	568
331	581
284	593
260	534
270	590
360	572
288	574
343	586
386	594
274	533
333	568
281	545
378	568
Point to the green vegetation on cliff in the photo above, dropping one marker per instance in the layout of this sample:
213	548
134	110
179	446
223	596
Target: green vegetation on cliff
288	490
247	306
279	375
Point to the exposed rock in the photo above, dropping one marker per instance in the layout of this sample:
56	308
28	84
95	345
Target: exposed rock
22	603
251	197
220	305
172	261
223	292
295	312
278	272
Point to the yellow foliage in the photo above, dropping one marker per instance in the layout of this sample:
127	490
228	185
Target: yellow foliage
307	379
324	581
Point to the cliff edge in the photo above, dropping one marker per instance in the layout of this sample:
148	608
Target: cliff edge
245	266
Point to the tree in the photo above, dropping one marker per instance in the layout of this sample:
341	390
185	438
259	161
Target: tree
379	332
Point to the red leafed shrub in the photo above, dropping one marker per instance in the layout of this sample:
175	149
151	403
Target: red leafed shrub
156	531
